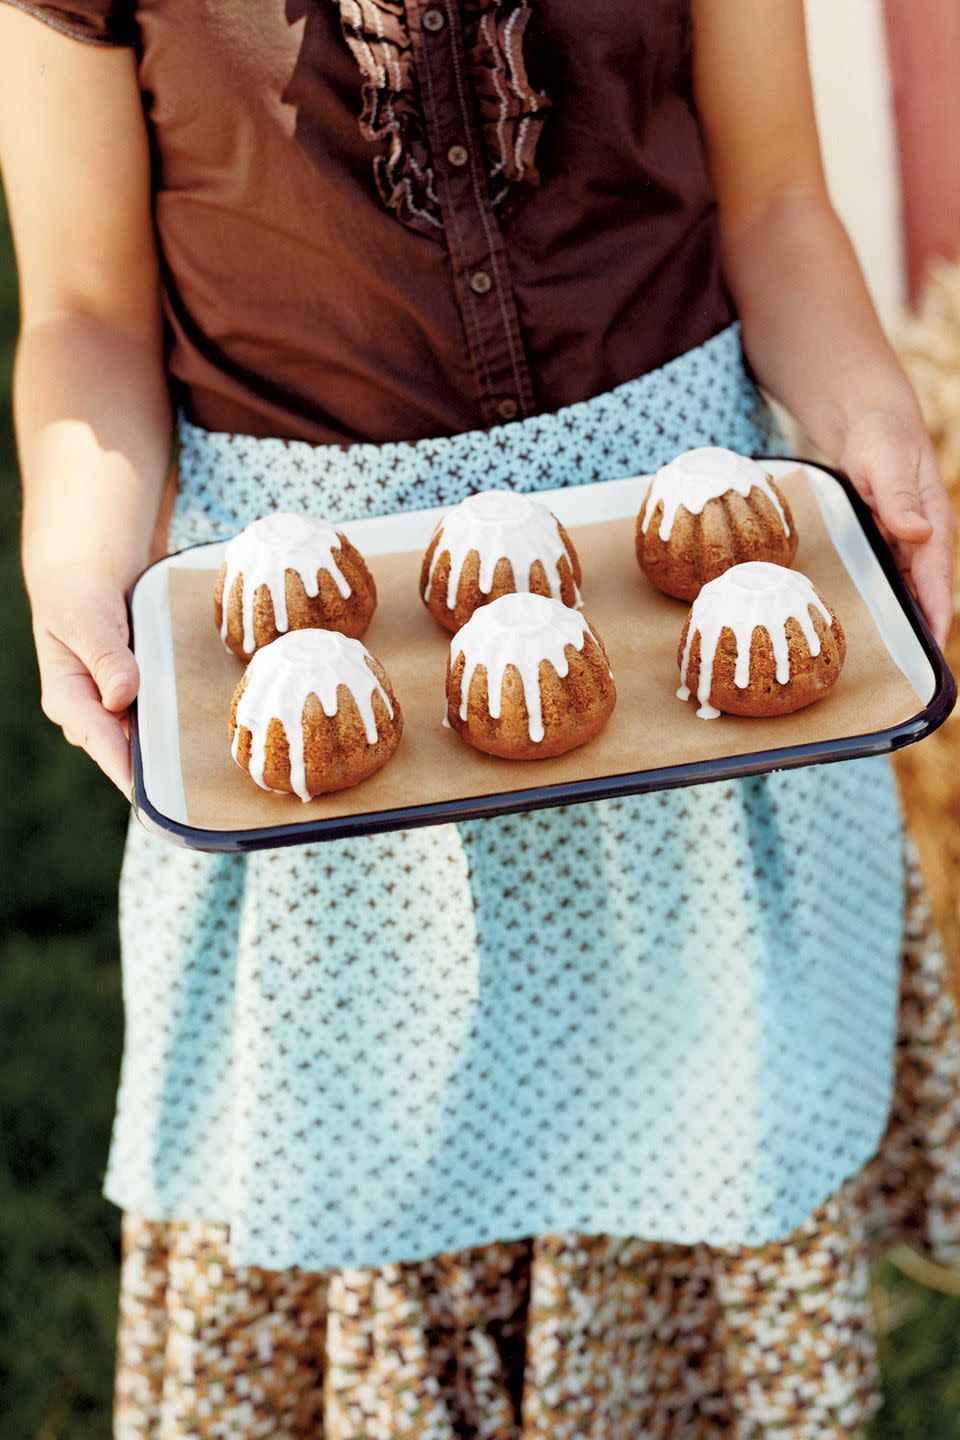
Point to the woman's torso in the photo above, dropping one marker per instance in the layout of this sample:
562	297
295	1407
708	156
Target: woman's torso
717	1090
388	219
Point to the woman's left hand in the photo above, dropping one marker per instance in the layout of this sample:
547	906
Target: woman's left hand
889	458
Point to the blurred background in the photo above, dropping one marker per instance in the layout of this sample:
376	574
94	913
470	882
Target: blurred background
886	75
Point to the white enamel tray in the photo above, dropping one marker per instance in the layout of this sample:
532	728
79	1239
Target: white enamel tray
158	785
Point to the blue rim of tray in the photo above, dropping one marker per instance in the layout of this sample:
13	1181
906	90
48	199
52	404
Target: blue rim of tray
604	787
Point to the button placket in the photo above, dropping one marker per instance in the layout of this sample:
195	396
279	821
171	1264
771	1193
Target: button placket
475	245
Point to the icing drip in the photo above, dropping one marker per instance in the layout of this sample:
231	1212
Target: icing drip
499	525
265	551
744	598
518	630
281	676
701	475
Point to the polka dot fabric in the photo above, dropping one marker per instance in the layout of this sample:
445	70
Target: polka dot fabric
669	1016
563	1336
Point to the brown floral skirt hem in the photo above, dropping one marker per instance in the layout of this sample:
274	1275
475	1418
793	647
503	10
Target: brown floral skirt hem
559	1336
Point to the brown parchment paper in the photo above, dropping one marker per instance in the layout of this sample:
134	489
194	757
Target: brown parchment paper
640	628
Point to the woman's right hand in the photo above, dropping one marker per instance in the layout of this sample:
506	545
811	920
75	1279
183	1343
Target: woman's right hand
88	675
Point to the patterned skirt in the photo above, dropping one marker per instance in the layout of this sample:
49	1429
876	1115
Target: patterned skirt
565	1336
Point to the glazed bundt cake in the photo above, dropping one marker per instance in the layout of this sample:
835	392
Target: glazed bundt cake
314	712
707	510
760	641
493	544
290	572
528	678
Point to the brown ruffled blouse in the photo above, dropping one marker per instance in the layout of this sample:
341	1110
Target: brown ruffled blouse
389	219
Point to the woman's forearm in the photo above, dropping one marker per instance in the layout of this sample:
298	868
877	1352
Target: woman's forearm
814	340
94	434
809	326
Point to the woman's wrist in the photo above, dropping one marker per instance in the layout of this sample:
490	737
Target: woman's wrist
47	564
877	388
88	513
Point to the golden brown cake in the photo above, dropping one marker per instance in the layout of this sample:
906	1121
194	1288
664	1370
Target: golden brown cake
290	572
528	678
759	641
493	544
314	712
707	510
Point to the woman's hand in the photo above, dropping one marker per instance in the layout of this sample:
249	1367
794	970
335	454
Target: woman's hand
88	675
890	460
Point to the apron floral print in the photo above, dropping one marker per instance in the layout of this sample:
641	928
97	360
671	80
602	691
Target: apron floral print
561	1336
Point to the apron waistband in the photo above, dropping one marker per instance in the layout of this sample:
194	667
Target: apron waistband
704	397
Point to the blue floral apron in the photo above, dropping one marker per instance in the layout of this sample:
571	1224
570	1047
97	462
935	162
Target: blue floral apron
669	1016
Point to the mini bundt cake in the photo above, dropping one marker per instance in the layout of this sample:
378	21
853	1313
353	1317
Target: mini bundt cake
290	572
705	511
528	678
493	544
314	712
759	641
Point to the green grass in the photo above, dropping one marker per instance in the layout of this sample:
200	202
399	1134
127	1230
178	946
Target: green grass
61	832
920	1356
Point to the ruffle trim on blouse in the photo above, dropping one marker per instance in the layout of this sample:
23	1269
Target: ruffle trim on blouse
511	111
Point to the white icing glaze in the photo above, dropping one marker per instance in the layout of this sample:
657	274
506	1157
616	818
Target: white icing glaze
499	525
518	630
265	551
283	674
745	597
701	475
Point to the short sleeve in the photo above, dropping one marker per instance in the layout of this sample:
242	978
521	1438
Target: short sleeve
98	22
